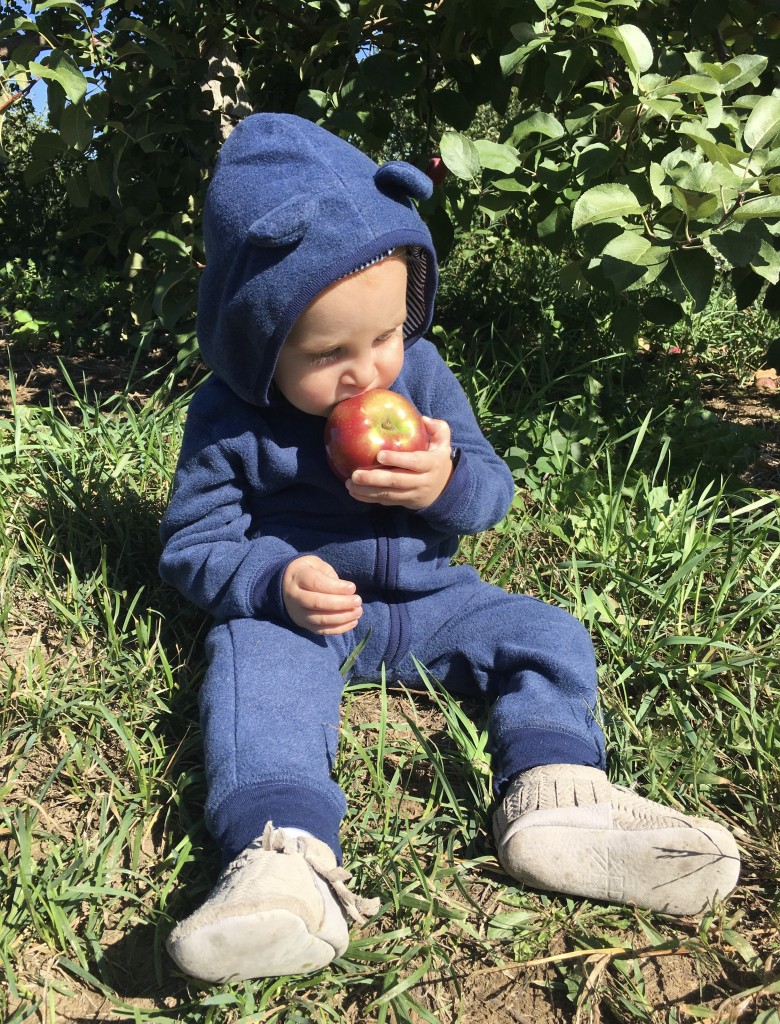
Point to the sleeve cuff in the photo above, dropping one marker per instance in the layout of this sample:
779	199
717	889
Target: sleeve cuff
267	597
446	513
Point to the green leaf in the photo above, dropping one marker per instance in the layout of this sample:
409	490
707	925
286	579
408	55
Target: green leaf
172	306
63	3
510	185
769	160
496	206
495	156
554	228
460	155
713	108
78	190
530	38
695	205
622	259
47	145
631	261
747	286
632	45
311	104
169	244
538	124
695	270
453	108
394	72
76	126
604	203
664	108
741	945
594	161
763	206
62	70
630	247
767	263
589	10
662	311
747	67
769	1016
625	323
572	279
763	125
658	184
696	84
738	245
98	178
716	152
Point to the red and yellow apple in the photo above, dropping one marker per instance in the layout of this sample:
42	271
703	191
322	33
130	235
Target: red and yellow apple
359	428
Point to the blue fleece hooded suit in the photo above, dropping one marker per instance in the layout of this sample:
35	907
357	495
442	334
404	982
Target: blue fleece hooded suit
290	210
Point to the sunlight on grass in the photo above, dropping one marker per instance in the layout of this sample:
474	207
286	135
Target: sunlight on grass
102	844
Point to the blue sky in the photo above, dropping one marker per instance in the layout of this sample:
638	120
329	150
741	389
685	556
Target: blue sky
38	92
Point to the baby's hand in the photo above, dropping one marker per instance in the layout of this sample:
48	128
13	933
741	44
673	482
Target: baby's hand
412	479
317	600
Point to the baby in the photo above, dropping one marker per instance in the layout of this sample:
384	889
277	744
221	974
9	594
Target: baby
319	286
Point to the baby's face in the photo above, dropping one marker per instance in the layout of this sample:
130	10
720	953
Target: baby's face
348	340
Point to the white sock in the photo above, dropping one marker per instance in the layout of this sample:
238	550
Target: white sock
298	833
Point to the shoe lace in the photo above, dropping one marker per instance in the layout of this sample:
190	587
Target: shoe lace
321	860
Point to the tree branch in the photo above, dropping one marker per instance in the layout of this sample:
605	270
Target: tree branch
16	97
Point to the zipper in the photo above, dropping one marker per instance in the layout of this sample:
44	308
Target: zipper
386	574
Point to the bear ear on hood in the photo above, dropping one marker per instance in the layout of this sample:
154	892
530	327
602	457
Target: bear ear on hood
398	175
285	224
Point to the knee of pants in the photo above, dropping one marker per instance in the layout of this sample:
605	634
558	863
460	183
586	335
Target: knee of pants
270	704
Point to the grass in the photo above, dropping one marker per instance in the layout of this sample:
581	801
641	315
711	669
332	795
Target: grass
625	514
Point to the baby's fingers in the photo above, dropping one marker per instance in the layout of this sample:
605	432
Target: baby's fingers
335	624
316	602
316	581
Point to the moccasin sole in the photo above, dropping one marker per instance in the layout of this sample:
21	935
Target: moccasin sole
672	870
267	943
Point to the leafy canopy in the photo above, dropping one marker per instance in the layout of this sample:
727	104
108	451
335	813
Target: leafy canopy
638	137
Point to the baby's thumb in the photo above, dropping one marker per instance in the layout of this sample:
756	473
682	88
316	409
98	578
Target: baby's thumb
439	434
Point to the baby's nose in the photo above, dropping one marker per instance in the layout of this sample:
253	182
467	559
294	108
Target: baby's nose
362	371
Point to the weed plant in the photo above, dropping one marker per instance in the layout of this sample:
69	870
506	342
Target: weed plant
51	302
625	514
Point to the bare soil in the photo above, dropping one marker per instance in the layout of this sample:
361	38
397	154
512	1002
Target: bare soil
754	406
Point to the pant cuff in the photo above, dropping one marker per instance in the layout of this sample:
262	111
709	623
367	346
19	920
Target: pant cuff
523	749
241	817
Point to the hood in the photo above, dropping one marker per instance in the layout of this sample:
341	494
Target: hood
291	209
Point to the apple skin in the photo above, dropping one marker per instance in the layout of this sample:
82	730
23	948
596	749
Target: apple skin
436	170
360	427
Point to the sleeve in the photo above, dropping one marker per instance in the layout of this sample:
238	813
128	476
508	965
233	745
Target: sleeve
209	554
481	487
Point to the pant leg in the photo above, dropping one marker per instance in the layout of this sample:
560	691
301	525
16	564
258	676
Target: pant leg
270	720
533	661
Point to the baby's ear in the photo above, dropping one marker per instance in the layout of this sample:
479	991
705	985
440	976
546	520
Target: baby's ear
397	175
284	225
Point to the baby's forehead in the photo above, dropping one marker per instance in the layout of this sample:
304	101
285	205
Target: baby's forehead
378	291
